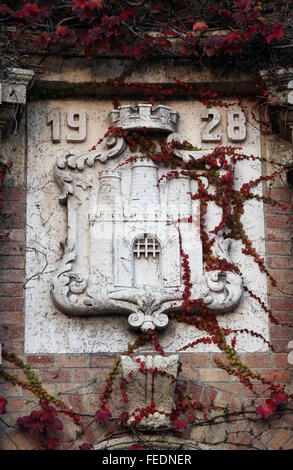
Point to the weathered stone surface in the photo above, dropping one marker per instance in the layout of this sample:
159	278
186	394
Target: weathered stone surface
150	382
47	228
160	442
13	94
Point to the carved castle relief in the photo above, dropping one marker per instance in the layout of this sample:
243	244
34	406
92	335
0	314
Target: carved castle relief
123	246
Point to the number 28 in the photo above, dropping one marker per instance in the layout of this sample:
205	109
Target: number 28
236	125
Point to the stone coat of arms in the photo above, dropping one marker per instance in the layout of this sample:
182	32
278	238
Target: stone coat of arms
122	253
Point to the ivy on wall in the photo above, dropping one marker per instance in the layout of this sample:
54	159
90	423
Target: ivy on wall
234	32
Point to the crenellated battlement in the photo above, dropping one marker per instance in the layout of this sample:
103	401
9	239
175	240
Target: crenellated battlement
159	118
110	174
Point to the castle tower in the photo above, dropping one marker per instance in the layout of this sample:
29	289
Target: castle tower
110	194
144	191
179	199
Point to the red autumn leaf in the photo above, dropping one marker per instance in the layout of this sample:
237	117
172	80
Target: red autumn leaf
42	42
31	9
85	9
4	10
180	423
191	46
168	32
230	38
51	442
158	5
225	12
275	34
3	403
199	26
213	46
102	415
91	4
62	31
243	5
126	13
137	447
279	397
35	427
264	410
86	446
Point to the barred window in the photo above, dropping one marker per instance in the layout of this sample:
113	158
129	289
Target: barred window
146	245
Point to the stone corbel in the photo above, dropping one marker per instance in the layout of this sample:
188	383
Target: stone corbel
281	100
150	383
13	95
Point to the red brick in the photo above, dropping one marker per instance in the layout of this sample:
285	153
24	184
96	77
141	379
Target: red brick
282	304
8	221
279	248
280	345
278	210
13	194
11	332
275	221
12	262
281	360
76	403
213	375
56	376
282	288
280	194
260	389
208	396
11	248
194	360
189	374
233	388
280	439
16	404
280	262
13	207
279	234
256	360
71	360
11	318
16	234
82	375
221	357
11	289
196	391
16	347
282	376
289	445
40	361
281	332
7	303
99	360
11	276
285	317
283	275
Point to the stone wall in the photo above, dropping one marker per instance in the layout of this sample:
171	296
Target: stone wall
79	378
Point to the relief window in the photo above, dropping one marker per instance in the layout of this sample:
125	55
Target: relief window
146	245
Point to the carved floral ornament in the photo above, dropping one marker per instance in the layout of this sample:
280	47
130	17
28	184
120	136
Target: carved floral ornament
123	246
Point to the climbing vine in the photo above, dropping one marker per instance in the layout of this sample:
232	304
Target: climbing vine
238	32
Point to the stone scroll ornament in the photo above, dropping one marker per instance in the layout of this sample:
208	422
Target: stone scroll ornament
122	252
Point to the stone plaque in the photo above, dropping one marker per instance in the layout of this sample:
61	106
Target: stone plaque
103	245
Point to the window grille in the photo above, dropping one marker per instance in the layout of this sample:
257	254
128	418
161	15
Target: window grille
146	245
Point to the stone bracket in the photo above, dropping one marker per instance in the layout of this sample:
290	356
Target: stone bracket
13	95
150	381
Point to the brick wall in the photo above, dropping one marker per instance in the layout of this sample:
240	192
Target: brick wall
79	379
